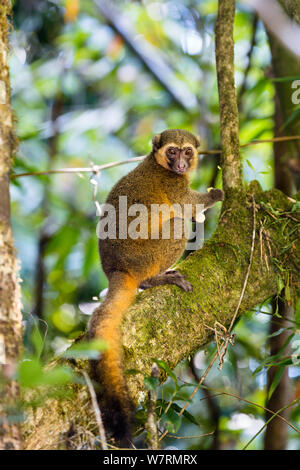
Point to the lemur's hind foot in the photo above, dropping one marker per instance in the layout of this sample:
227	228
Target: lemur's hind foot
168	277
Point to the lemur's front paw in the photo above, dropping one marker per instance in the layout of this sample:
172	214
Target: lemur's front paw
217	194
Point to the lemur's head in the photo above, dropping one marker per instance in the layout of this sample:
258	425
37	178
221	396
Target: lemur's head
176	150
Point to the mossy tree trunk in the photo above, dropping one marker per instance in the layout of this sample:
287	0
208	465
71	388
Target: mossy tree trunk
10	307
229	119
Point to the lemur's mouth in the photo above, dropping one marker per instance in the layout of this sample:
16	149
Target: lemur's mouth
180	171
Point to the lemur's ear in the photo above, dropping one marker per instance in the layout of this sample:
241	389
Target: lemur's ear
198	141
156	142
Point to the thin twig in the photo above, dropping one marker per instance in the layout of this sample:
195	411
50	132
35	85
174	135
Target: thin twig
192	437
96	411
262	407
195	390
97	168
92	169
275	139
151	425
221	392
274	415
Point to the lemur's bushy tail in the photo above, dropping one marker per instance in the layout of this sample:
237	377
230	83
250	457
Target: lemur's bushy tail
114	401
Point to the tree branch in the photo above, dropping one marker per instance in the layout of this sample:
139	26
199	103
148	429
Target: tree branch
98	168
229	121
169	324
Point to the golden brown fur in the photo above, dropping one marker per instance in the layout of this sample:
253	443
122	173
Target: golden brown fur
130	263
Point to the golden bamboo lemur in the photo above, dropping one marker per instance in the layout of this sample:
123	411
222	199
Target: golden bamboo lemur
162	178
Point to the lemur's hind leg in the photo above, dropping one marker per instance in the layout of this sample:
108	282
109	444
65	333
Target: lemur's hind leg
168	277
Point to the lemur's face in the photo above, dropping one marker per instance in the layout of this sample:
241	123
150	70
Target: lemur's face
176	150
179	159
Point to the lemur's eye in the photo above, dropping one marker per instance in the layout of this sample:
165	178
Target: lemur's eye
189	152
171	151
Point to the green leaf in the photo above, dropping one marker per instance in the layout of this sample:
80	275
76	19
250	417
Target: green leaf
285	362
179	397
89	256
38	341
277	377
171	421
287	293
293	117
186	414
86	350
60	375
30	373
276	333
285	79
296	206
272	360
250	164
280	284
151	383
141	416
164	366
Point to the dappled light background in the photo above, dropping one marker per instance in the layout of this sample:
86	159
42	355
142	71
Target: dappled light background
83	94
